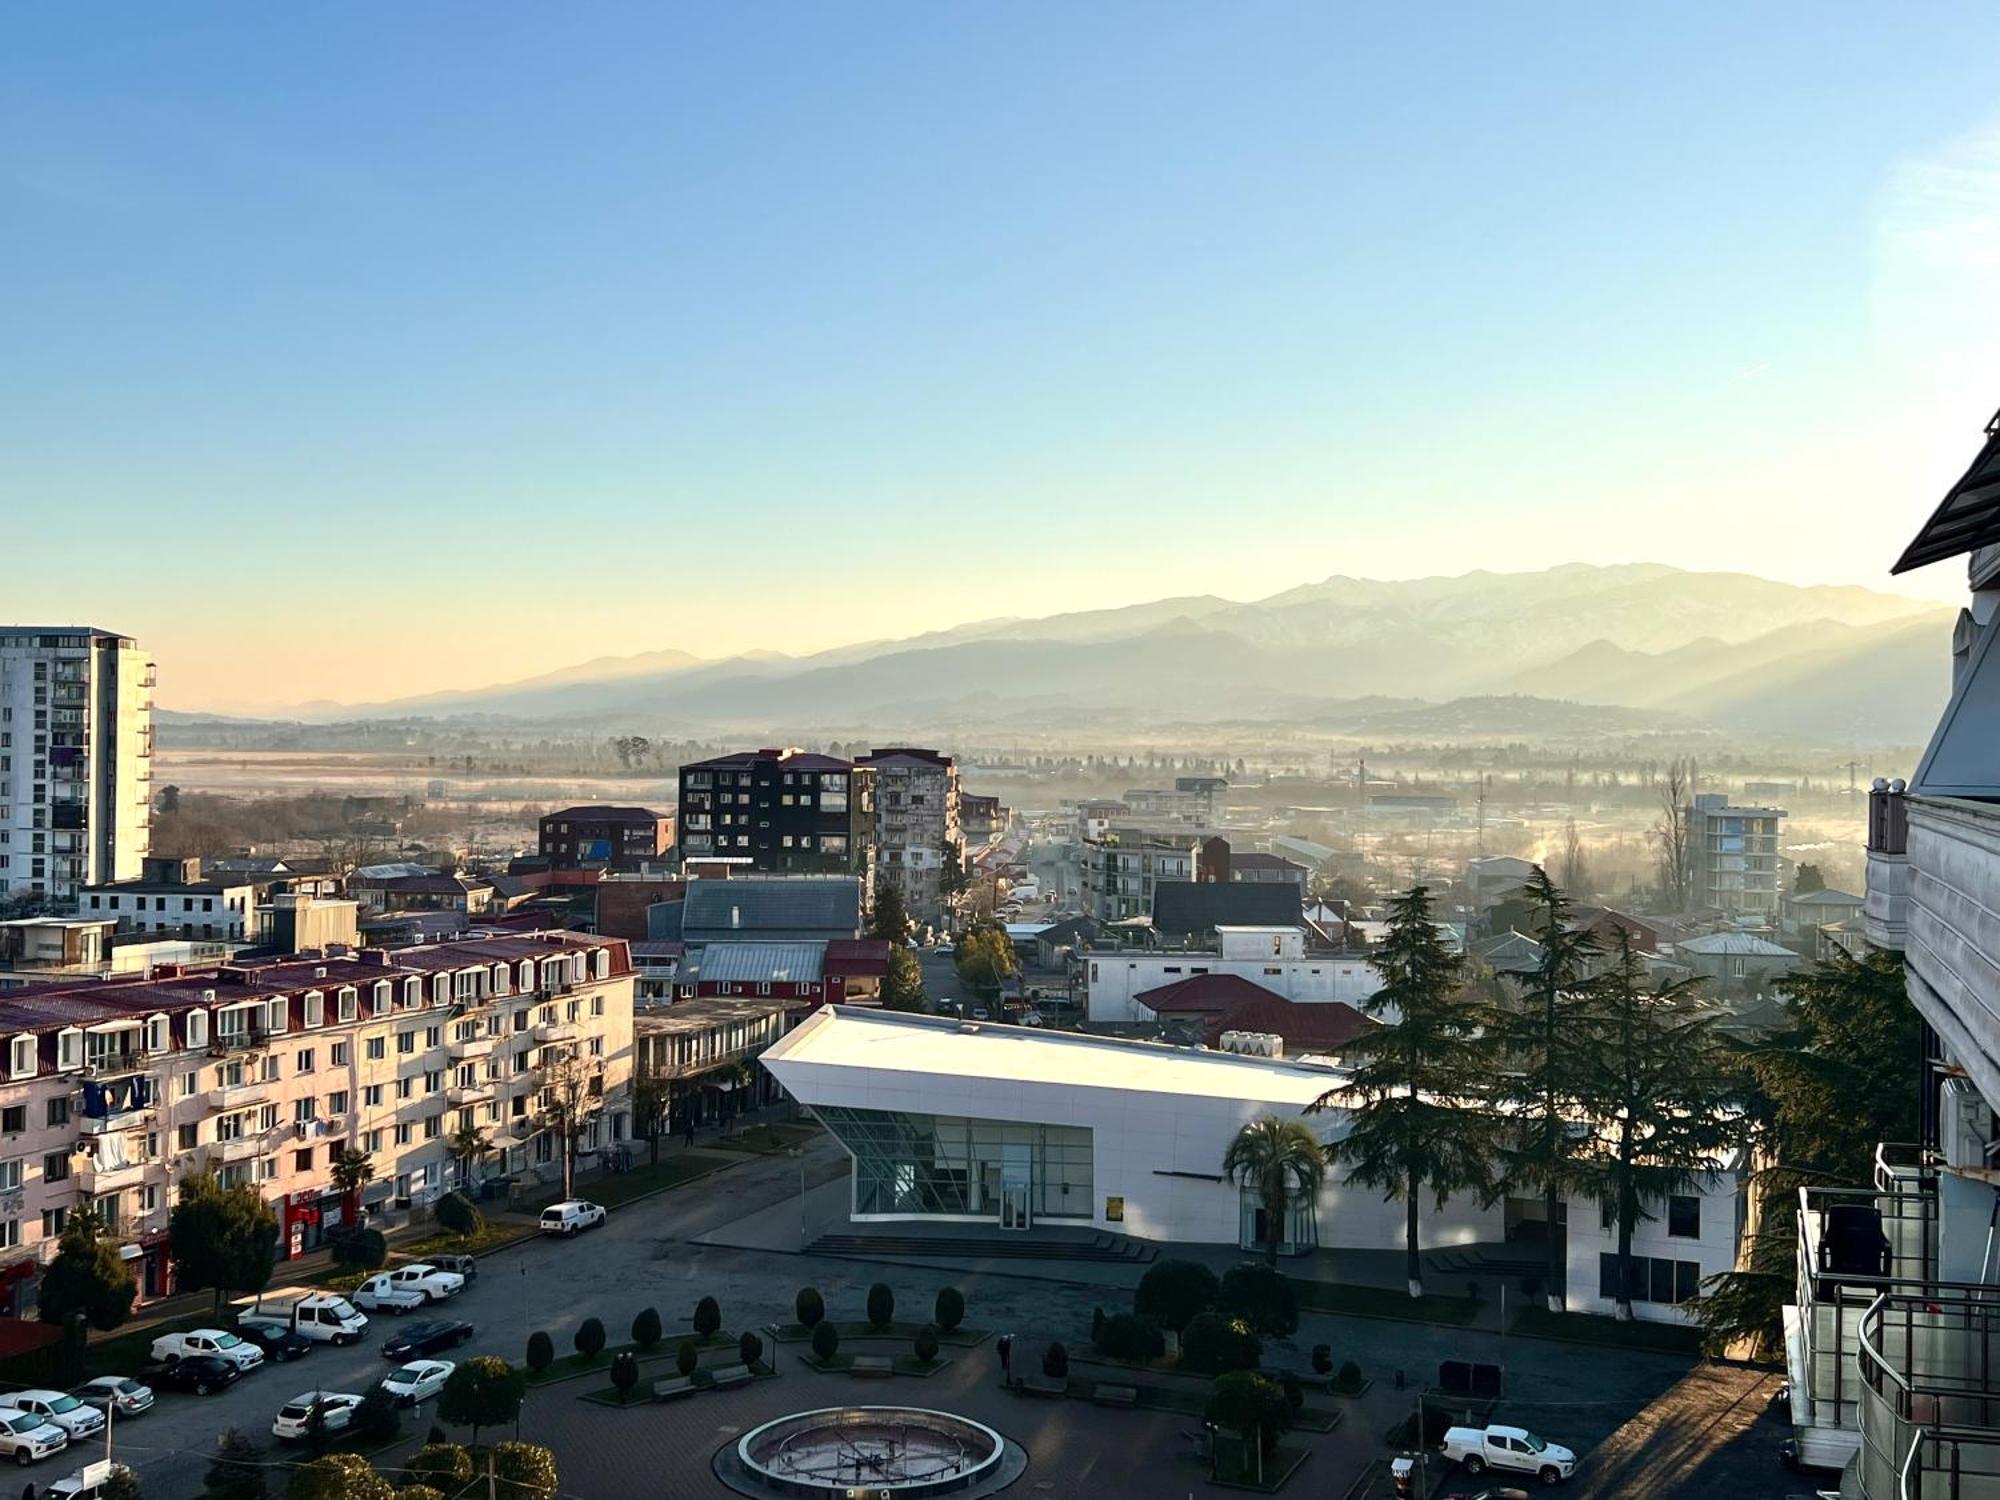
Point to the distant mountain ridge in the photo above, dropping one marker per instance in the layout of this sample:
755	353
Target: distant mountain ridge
1839	664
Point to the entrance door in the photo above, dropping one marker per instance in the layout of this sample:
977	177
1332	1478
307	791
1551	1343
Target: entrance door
1014	1208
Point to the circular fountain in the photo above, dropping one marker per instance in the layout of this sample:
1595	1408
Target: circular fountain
876	1452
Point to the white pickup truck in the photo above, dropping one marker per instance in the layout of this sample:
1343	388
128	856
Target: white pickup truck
169	1348
1508	1448
380	1293
434	1282
320	1316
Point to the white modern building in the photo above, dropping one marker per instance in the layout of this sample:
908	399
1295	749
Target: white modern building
1734	854
76	745
1272	957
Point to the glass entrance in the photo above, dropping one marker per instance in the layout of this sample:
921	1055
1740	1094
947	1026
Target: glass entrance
1014	1210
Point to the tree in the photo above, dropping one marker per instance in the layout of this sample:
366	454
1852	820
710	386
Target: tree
903	985
1823	1093
652	1102
1055	1362
589	1339
749	1348
881	1305
984	957
120	1484
687	1358
646	1330
522	1471
707	1319
541	1351
1538	1085
1252	1407
467	1147
889	914
1215	1345
442	1466
353	1170
1282	1162
456	1213
484	1391
624	1373
1655	1093
1261	1297
1673	833
1415	1119
1174	1292
361	1250
222	1239
88	1278
420	1492
237	1470
1575	864
1806	879
1128	1336
377	1418
809	1307
572	1095
949	1309
825	1341
338	1476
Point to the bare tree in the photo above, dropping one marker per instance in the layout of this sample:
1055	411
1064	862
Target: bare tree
1673	832
572	1095
1575	866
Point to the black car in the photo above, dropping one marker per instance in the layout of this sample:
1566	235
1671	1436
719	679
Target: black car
414	1340
274	1338
200	1373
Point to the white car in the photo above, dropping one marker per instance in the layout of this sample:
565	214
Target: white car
418	1381
436	1284
27	1437
1512	1448
567	1217
295	1417
240	1352
380	1293
87	1483
68	1413
108	1391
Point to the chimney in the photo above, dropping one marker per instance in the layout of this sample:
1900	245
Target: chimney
735	917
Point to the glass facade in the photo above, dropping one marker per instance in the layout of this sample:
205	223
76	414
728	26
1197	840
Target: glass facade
949	1165
1301	1223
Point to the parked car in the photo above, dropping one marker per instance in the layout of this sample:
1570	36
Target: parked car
414	1340
239	1352
295	1417
568	1217
106	1391
277	1338
463	1265
323	1317
200	1373
26	1438
435	1284
59	1407
981	1013
1480	1448
380	1293
418	1381
87	1483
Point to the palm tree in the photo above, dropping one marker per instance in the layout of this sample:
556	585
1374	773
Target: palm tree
466	1146
353	1170
1282	1161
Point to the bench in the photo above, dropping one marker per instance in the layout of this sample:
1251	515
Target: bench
1115	1395
872	1364
667	1390
1043	1385
730	1375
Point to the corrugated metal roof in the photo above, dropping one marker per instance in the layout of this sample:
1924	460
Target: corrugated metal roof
762	963
830	903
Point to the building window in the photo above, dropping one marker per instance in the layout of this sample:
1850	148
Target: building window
302	1161
55	1167
377	1048
53	1222
59	1110
14	1120
1684	1217
1652	1279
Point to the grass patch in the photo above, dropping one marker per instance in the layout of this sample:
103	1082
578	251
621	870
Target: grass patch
1377	1302
839	1364
570	1366
1592	1328
1237	1468
958	1338
767	1140
122	1353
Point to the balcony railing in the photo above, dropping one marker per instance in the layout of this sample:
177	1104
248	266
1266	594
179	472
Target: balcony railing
1930	1368
93	1178
466	1049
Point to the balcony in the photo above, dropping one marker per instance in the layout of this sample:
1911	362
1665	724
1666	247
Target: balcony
461	1094
244	1040
1885	915
237	1096
522	1128
470	1048
93	1178
243	1148
556	1031
1953	927
1930	1396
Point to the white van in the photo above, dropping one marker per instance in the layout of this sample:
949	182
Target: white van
568	1217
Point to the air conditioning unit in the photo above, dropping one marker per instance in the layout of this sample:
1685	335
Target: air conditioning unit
208	997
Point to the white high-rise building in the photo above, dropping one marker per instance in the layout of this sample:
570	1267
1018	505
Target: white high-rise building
76	746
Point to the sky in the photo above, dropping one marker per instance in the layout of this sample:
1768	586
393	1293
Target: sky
368	350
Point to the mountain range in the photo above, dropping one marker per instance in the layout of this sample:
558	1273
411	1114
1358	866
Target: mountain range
1829	665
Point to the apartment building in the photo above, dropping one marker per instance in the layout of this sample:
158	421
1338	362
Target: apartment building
787	812
1122	865
76	745
621	838
1124	985
917	833
705	1051
1734	856
262	1073
174	898
1198	800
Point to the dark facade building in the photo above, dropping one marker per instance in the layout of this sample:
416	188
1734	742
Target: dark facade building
614	837
786	812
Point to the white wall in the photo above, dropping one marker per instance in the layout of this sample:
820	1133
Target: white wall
1714	1250
1112	979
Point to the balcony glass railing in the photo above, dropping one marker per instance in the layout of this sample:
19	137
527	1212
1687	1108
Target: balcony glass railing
1930	1369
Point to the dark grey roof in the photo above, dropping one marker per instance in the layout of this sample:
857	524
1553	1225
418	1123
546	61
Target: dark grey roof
767	906
1968	517
1184	907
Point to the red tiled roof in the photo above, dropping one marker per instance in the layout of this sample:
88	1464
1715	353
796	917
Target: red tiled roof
857	958
1201	992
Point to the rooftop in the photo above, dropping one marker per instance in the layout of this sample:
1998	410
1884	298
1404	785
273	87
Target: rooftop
684	1016
604	813
788	904
1735	945
762	963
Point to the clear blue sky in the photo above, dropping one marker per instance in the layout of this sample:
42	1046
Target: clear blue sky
365	350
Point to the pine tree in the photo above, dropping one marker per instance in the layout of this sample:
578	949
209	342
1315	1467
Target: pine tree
889	917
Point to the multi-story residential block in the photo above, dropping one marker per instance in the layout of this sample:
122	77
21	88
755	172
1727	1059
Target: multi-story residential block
980	819
76	745
1119	980
1198	800
704	1052
619	838
1122	865
917	834
782	811
262	1073
1216	862
173	898
1733	852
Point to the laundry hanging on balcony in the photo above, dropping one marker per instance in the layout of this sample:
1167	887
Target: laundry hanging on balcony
101	1100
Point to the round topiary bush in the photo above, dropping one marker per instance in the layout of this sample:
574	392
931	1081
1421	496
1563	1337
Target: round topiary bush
646	1330
749	1348
456	1213
363	1250
881	1305
1350	1376
1097	1326
541	1351
1213	1345
925	1345
809	1307
1174	1292
826	1341
1055	1362
1250	1406
1261	1297
686	1358
625	1373
949	1311
589	1339
707	1317
1129	1336
1322	1358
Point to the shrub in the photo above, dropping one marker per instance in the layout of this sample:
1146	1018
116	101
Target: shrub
525	1471
826	1342
809	1307
484	1391
625	1372
456	1213
1322	1360
420	1492
443	1466
707	1317
338	1476
589	1339
237	1470
123	1484
1212	1345
1261	1297
363	1250
541	1351
646	1330
749	1348
949	1311
1129	1336
1174	1292
376	1419
925	1345
1250	1406
1055	1362
881	1305
1350	1376
687	1357
1295	1396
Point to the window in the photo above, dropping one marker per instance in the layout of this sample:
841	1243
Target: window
406	1043
339	1054
53	1222
371	1141
1652	1278
433	1036
304	1109
190	1084
267	1117
336	1102
187	1137
59	1110
14	1120
55	1167
371	1096
1684	1217
433	1127
305	1060
404	1087
402	1135
378	1048
302	1161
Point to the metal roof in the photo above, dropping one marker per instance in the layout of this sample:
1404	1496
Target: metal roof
1968	517
762	963
807	903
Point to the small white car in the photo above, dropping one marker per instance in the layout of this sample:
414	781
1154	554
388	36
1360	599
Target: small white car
108	1391
380	1293
568	1217
87	1483
1508	1448
68	1413
240	1352
25	1437
418	1381
434	1283
295	1417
